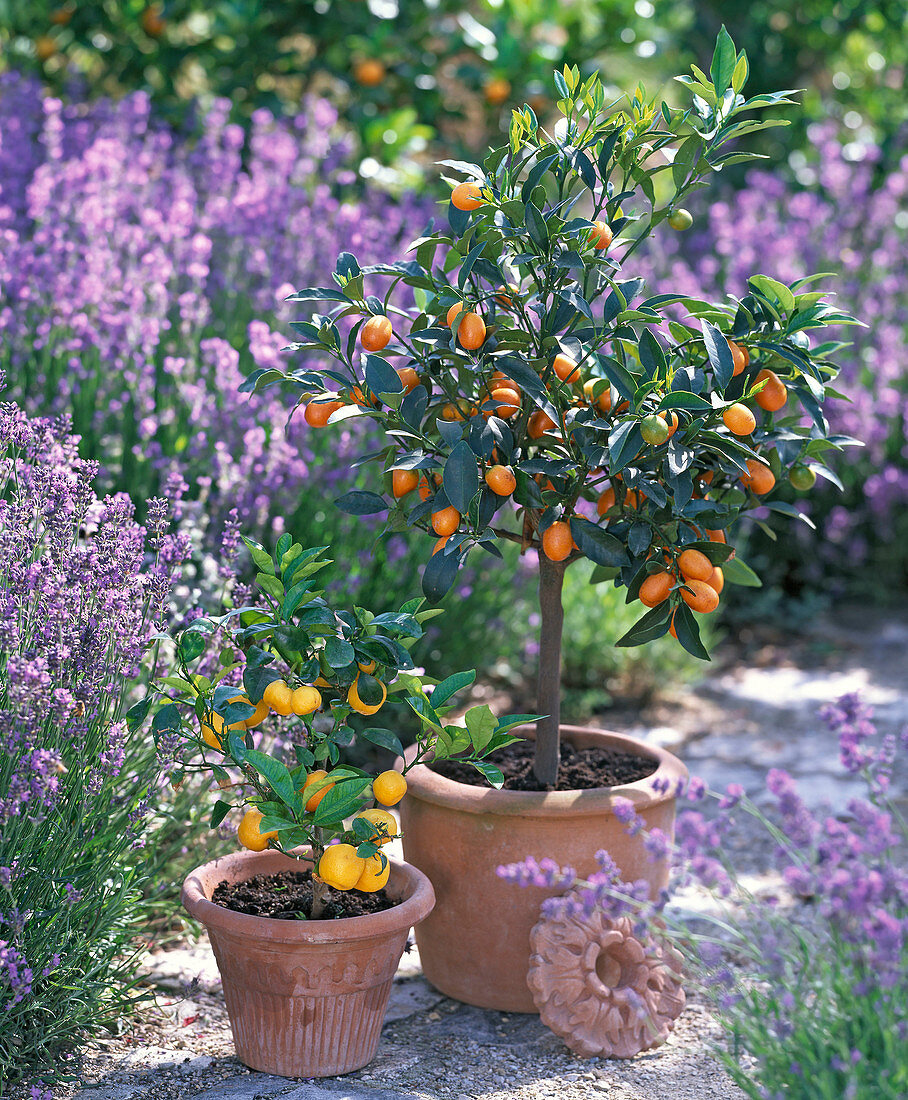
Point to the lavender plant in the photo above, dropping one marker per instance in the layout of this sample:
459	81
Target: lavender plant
77	597
138	286
140	277
809	982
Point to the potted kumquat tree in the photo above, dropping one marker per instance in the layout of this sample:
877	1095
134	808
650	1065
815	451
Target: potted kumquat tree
313	828
536	392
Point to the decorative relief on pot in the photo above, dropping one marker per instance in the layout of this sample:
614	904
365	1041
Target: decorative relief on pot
599	988
323	979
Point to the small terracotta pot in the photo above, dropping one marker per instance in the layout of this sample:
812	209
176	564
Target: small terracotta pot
305	998
475	947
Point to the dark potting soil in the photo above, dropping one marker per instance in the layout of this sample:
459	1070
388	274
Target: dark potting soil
579	769
287	895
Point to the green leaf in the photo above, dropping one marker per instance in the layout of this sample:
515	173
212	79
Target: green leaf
138	712
381	377
719	353
790	510
736	571
774	290
689	632
536	227
167	718
339	653
681	399
652	625
191	646
624	444
359	502
384	738
687	156
317	294
740	74
344	799
461	477
294	598
652	357
481	723
450	686
491	773
219	812
278	777
440	574
596	544
260	556
270	584
725	58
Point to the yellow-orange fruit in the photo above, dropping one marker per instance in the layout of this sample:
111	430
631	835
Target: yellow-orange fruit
501	480
315	799
604	401
739	419
759	477
601	235
375	333
508	401
695	565
655	588
318	412
606	501
403	482
704	598
740	357
446	521
774	394
467	196
557	541
369	72
408	377
539	423
566	369
497	91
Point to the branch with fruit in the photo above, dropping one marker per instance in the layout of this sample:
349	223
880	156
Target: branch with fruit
535	393
315	668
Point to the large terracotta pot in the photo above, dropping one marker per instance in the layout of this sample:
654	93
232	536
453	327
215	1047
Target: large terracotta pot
475	946
305	998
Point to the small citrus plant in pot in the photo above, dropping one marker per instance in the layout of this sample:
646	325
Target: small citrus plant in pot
308	924
535	392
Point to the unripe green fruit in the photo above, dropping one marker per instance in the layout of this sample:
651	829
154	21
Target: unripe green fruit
680	219
654	430
802	478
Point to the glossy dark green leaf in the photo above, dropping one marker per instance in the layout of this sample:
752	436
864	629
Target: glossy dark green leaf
461	477
652	625
359	502
384	738
689	632
719	353
598	545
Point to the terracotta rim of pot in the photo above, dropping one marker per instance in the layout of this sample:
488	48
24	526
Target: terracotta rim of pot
405	881
441	791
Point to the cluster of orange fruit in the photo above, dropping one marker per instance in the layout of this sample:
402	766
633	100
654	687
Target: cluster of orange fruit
500	396
284	700
339	865
701	580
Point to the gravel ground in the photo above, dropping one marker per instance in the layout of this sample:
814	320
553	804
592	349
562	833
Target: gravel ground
431	1047
752	716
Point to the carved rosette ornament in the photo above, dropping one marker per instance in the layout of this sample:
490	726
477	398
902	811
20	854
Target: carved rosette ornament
599	988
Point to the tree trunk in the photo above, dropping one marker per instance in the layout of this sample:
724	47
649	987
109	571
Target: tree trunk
548	696
319	898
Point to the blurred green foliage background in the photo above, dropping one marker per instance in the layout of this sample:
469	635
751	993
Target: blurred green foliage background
413	74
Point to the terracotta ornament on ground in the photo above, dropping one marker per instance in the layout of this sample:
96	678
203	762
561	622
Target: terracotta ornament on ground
599	988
